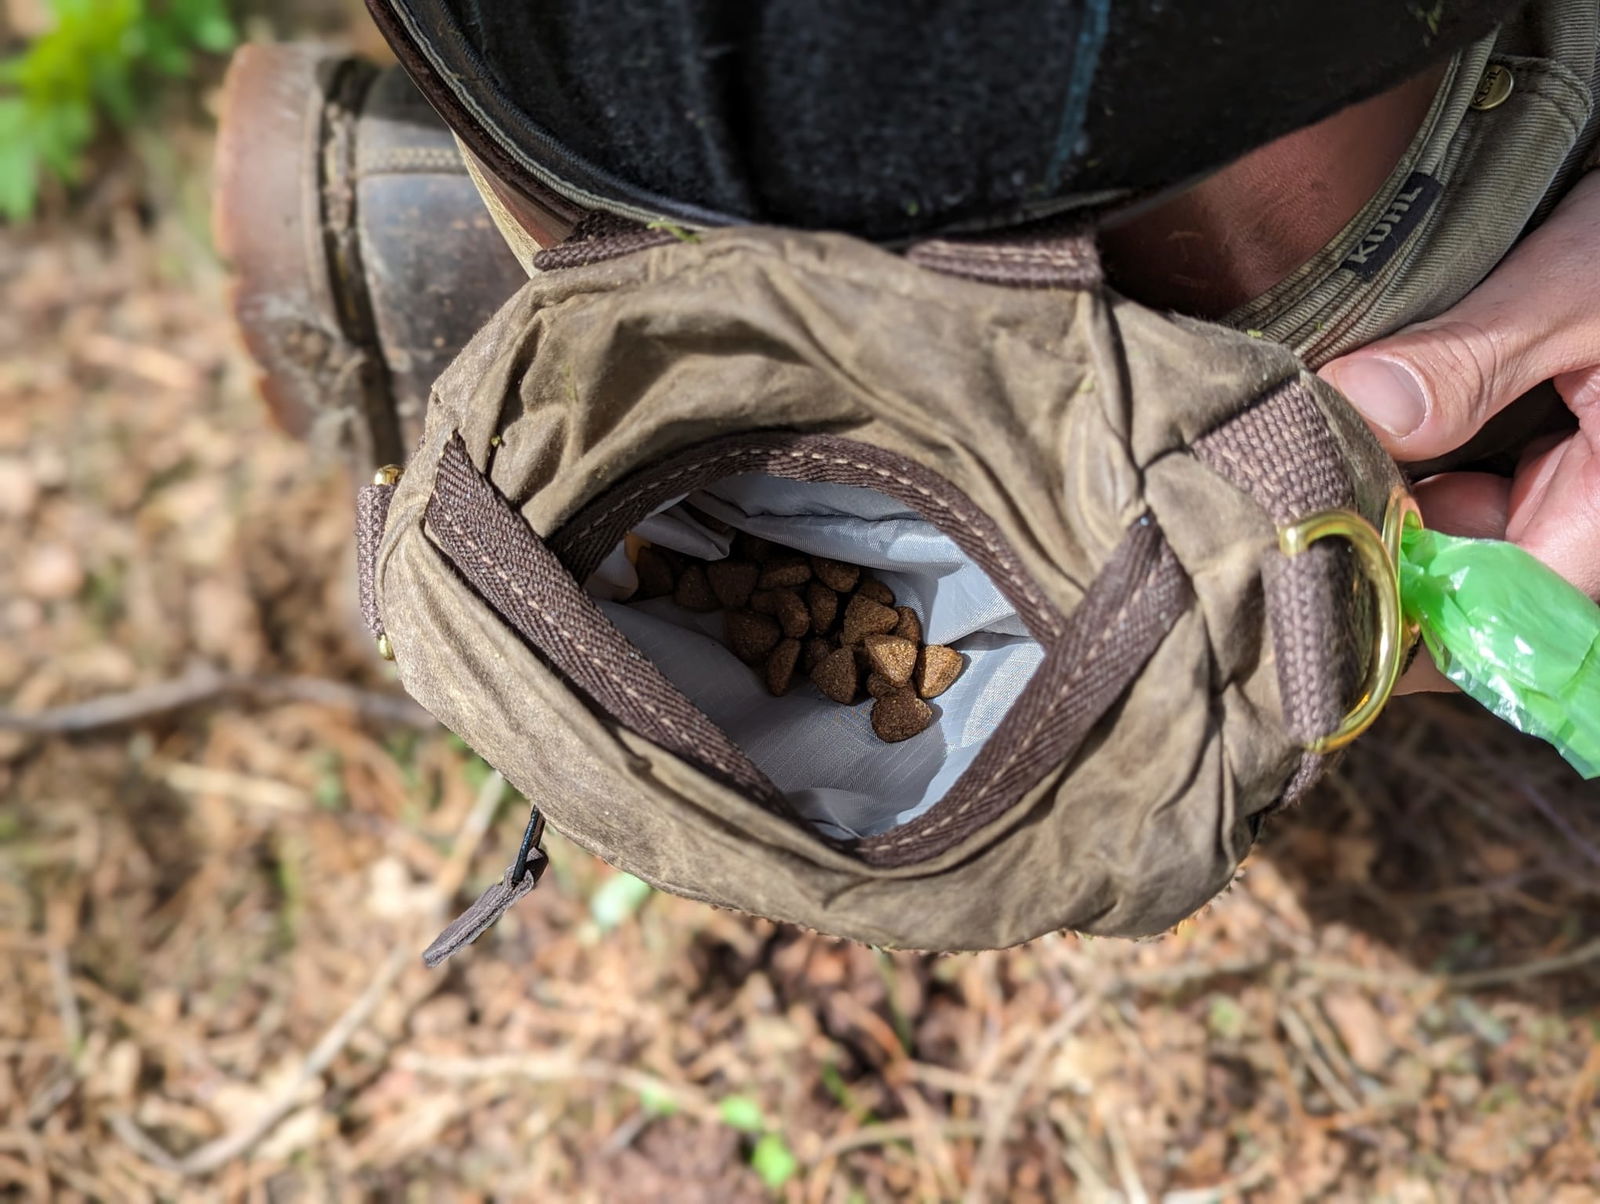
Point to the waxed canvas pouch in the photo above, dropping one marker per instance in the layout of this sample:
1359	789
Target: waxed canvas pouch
1082	496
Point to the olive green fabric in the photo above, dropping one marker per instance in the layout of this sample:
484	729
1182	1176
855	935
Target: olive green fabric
1064	416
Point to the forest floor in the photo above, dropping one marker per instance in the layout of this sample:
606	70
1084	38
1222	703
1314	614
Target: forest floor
211	916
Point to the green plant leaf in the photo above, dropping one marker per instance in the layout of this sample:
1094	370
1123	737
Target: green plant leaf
657	1101
773	1161
617	899
742	1113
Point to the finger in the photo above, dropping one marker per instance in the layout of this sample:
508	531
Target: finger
1428	389
1424	677
1474	504
1558	510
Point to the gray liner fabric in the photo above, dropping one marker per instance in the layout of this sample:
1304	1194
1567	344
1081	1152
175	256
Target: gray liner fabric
825	757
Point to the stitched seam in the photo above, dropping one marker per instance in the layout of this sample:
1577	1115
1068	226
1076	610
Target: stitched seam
1032	733
484	559
999	554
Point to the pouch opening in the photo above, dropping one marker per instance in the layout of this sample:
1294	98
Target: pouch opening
822	755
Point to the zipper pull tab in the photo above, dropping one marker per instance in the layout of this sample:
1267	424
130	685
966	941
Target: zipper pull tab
521	876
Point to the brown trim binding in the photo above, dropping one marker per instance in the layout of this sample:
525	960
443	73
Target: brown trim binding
372	514
1113	632
498	554
598	237
586	539
1282	454
1069	261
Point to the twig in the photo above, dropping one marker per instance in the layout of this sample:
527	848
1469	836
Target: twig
997	1121
1465	980
1300	1033
209	685
1122	1158
891	1132
237	787
229	1146
1077	1155
559	1068
1560	823
1537	968
217	1153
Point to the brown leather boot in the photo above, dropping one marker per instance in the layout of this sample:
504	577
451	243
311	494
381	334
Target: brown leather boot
364	258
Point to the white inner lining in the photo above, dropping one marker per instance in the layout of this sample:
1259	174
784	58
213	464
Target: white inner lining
823	756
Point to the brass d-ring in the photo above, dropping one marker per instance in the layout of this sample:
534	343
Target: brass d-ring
1378	554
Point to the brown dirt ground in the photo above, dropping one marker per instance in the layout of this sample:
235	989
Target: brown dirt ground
210	918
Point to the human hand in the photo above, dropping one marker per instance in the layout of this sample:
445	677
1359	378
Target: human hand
1428	389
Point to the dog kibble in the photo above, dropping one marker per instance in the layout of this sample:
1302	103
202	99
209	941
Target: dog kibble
835	574
816	651
891	657
693	591
864	617
899	716
732	581
785	614
909	627
780	666
836	676
753	547
877	591
879	686
751	636
655	573
824	606
785	570
937	669
792	614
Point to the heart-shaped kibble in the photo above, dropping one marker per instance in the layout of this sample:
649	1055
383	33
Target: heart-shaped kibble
780	666
792	614
879	685
693	591
732	581
836	676
864	617
891	657
899	716
816	651
751	636
787	569
835	574
909	627
937	669
824	606
876	590
753	547
655	573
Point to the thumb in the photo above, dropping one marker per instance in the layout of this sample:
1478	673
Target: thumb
1427	390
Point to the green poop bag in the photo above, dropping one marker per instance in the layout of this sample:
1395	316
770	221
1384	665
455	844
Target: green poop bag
1511	633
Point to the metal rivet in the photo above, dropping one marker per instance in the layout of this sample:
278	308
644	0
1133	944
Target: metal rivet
1493	88
387	475
385	648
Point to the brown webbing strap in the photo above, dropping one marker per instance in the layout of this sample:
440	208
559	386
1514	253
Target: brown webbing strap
372	512
1140	593
521	876
1281	452
498	554
599	237
1018	262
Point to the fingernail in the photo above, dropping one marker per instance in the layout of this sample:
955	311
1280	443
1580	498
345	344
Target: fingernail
1385	392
